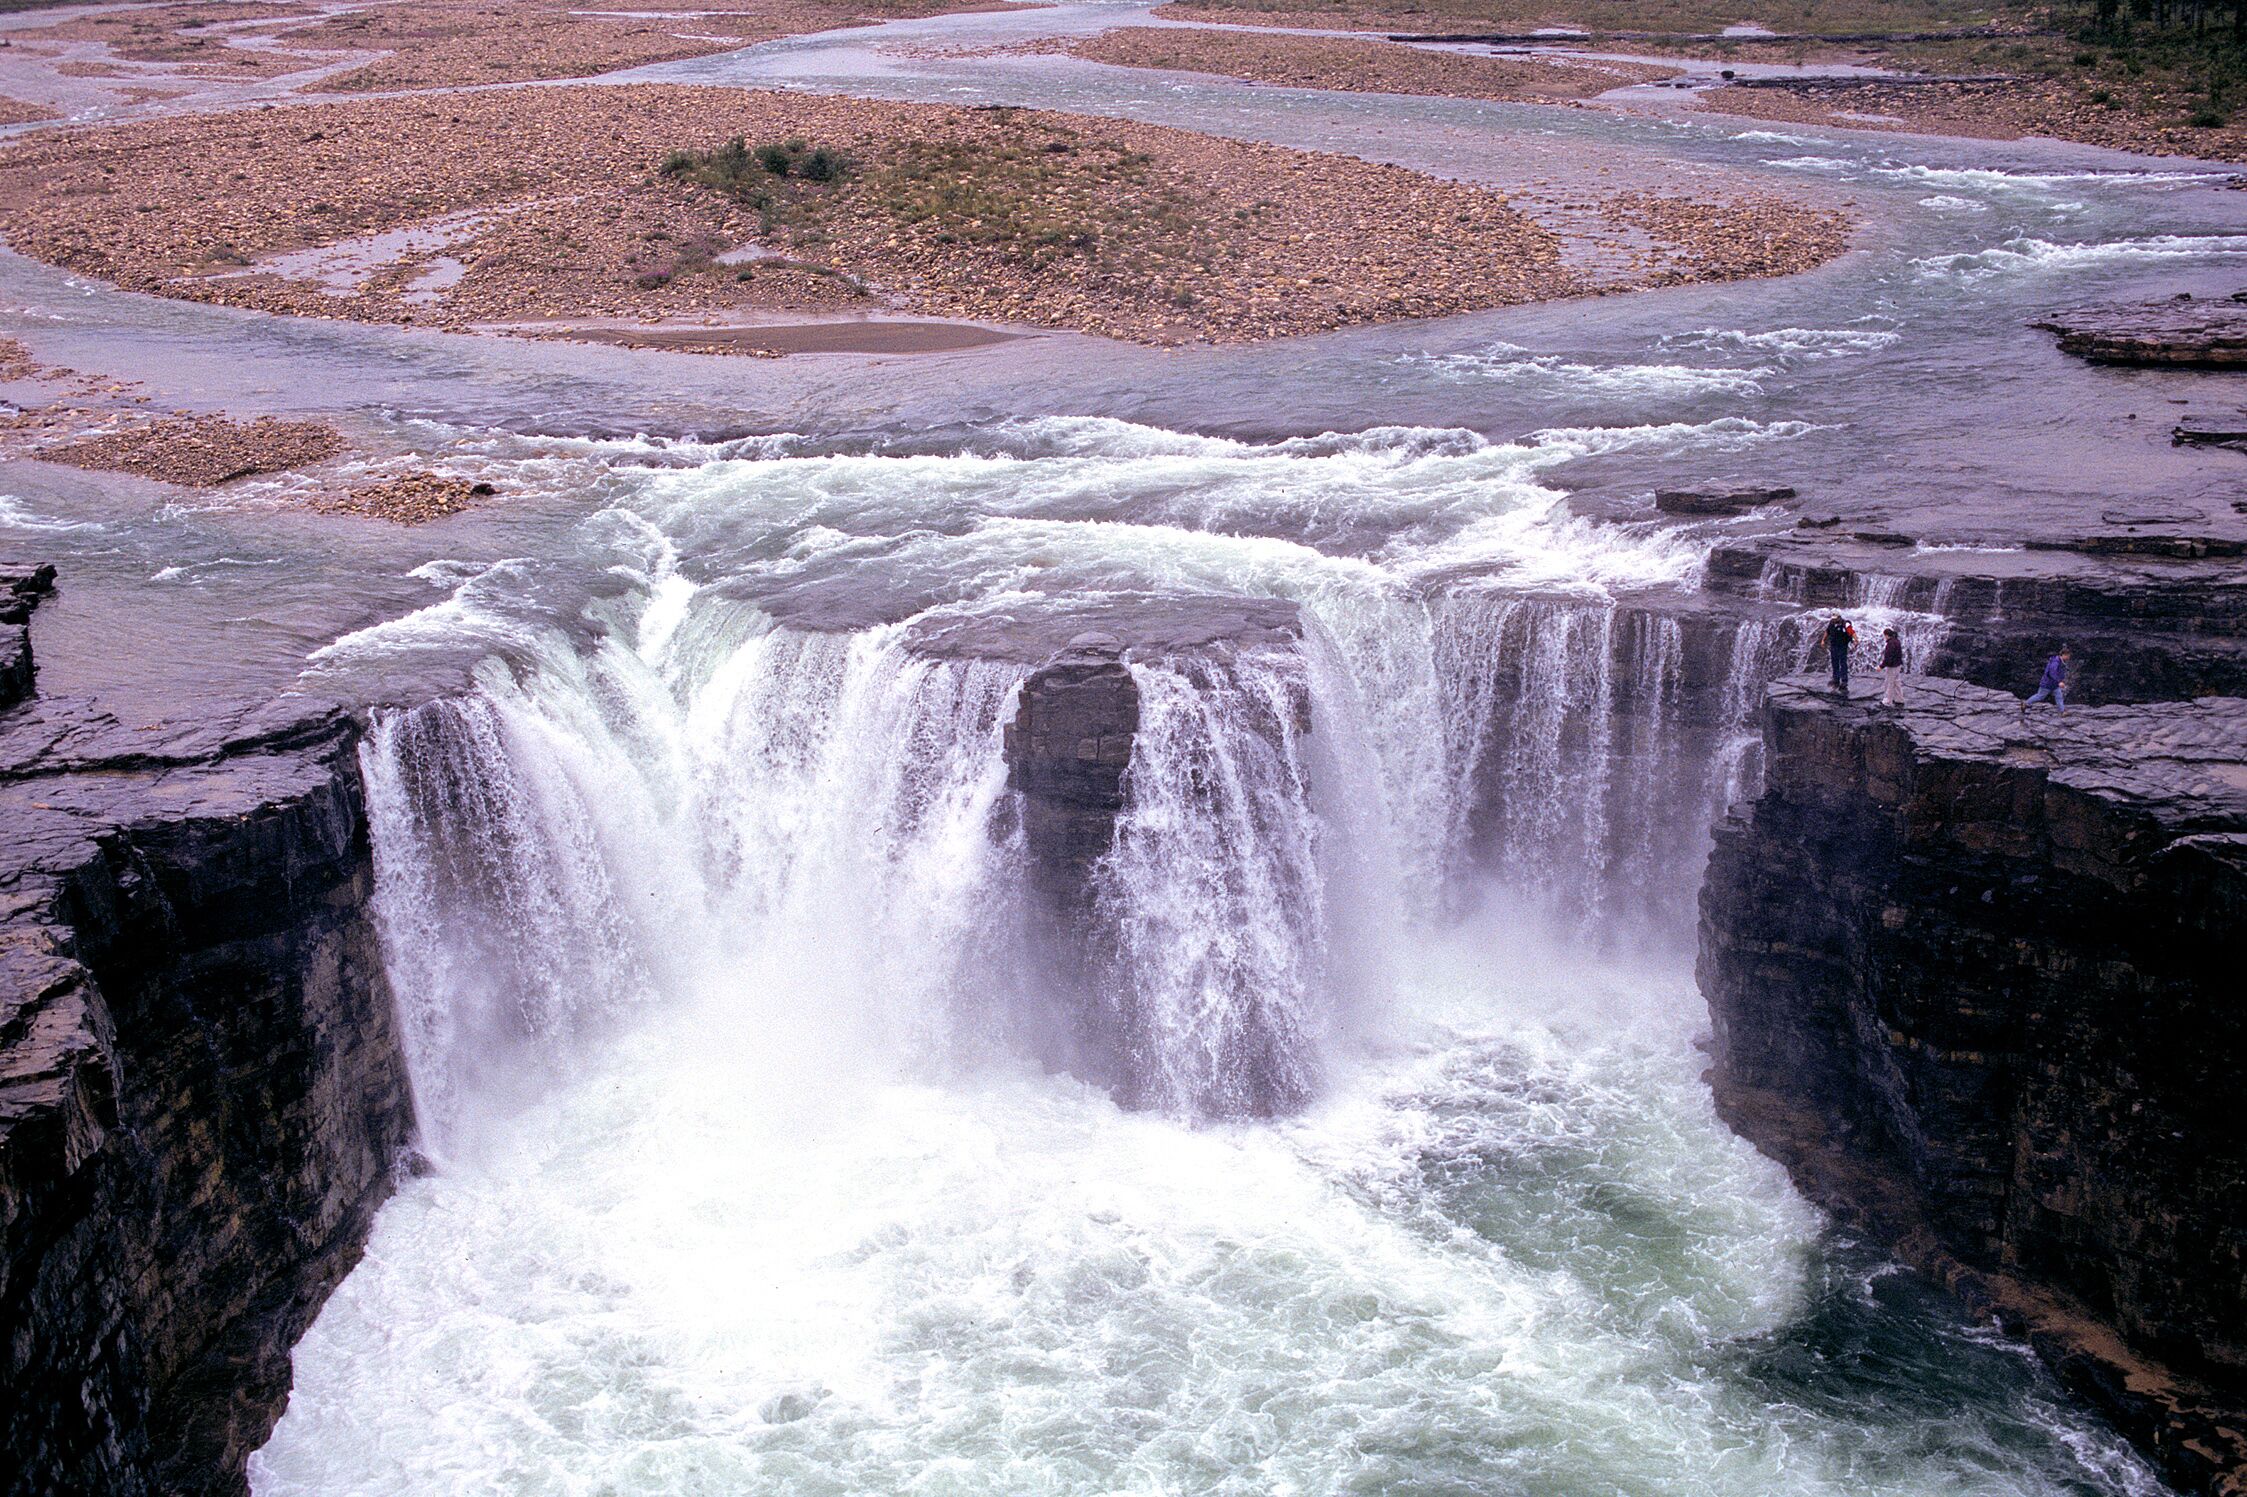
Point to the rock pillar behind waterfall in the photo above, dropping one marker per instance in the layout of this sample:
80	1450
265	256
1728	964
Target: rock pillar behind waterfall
1066	752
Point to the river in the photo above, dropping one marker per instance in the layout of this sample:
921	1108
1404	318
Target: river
705	907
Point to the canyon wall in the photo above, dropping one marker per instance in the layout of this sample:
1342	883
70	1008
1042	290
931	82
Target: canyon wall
202	1097
1971	979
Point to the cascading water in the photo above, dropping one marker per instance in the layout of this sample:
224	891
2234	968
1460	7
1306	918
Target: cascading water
730	1022
1214	893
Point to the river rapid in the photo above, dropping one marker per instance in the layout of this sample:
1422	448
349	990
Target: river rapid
705	905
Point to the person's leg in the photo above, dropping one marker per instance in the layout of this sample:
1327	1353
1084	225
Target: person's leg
1893	692
2041	694
2060	696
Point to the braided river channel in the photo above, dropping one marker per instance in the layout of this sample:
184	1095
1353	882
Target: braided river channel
746	1164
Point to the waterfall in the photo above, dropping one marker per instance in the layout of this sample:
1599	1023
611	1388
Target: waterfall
747	818
706	808
1563	721
1213	892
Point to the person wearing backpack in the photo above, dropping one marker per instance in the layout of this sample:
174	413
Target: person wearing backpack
1840	638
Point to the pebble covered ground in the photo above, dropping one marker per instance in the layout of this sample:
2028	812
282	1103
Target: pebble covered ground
199	451
406	499
1358	65
440	43
1989	110
413	44
550	203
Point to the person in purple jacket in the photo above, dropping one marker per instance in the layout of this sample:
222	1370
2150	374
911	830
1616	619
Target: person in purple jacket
2054	687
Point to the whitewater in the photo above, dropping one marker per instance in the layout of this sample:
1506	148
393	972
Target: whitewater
743	1167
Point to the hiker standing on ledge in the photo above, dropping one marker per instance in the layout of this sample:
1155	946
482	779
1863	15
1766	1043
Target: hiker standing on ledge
2054	687
1891	668
1840	636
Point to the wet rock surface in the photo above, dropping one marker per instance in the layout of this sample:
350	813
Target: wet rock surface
21	588
1719	499
1151	626
202	1097
1066	752
2153	613
2212	431
2181	332
1968	973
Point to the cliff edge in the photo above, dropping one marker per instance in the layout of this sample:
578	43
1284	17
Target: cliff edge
1972	978
202	1095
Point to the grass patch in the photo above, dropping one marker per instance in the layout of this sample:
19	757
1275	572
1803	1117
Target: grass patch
1032	197
768	178
1022	191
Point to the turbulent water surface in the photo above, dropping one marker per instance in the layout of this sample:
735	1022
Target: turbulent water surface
705	900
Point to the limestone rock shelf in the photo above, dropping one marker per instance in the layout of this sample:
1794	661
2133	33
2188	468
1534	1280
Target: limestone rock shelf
202	1096
21	588
2182	332
1973	979
2146	626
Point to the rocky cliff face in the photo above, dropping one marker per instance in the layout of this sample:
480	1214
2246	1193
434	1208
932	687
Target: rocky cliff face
1970	980
202	1099
21	588
1066	752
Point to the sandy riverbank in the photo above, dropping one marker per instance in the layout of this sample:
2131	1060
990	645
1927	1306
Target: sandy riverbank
521	205
2004	109
1358	65
2017	69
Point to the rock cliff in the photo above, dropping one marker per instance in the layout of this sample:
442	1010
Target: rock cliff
1066	752
202	1097
21	588
2162	623
1970	976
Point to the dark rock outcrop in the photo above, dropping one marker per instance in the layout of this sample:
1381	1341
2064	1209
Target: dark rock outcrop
2211	431
1718	499
202	1096
1066	753
2183	332
1070	742
1970	976
21	588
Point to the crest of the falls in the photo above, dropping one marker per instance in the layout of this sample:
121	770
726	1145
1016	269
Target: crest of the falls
733	774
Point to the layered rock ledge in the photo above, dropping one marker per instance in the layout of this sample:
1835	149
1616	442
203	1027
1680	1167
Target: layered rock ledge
2155	611
2183	332
1971	979
202	1096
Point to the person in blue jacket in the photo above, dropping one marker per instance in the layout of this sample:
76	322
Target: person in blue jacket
2054	687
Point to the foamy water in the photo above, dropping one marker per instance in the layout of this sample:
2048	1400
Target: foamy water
724	1036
